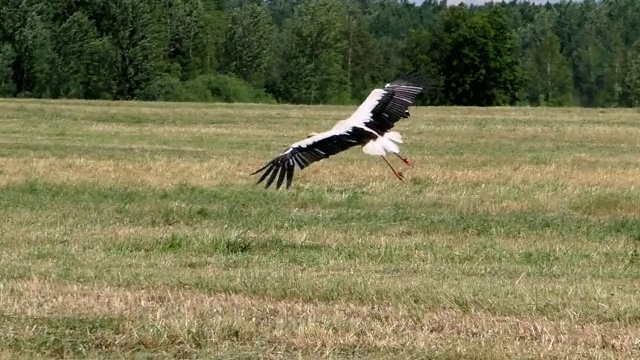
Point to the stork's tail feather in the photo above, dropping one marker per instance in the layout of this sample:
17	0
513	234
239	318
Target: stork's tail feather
387	142
393	136
374	147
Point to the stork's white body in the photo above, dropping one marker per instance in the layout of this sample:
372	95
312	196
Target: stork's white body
387	142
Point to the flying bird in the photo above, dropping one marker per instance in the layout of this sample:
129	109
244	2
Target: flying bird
368	127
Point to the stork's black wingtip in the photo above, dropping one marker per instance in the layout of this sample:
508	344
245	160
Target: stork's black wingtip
417	78
259	170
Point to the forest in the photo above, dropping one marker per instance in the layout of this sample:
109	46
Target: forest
572	53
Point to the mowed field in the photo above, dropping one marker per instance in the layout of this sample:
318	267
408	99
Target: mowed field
134	230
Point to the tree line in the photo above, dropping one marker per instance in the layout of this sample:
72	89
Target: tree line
321	51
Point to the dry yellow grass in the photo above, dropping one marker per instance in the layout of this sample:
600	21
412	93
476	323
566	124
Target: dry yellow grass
231	321
133	230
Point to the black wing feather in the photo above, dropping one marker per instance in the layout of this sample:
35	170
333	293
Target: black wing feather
283	173
274	172
290	174
306	154
394	104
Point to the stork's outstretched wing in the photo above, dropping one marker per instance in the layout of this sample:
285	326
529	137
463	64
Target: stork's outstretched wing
307	151
392	104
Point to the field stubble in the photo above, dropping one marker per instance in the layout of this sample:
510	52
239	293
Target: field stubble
133	229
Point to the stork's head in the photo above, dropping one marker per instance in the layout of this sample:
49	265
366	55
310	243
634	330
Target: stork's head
312	134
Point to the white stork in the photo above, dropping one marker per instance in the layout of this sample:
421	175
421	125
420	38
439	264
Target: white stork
368	127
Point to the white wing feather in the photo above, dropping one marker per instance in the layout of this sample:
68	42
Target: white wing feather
362	113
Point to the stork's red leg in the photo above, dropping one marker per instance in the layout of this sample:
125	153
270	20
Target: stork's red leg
398	174
406	161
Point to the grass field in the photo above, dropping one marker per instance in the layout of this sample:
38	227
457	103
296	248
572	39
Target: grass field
133	230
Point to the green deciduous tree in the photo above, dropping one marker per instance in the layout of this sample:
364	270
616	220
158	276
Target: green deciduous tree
248	48
362	58
314	44
86	61
281	10
476	55
193	32
596	58
7	57
549	77
631	86
416	56
27	29
140	39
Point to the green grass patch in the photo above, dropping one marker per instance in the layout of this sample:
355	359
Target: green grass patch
133	230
